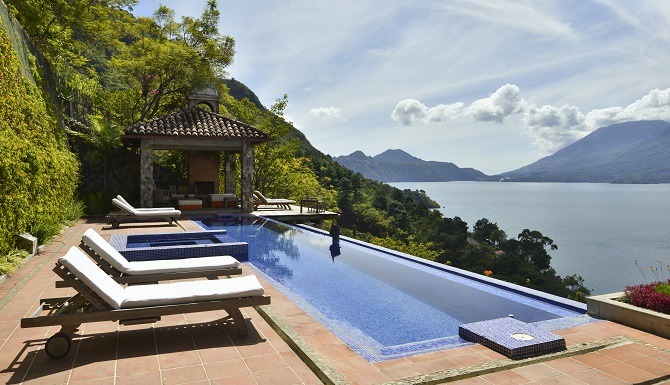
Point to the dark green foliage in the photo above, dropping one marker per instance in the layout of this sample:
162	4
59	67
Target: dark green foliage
524	260
74	211
44	230
38	175
107	169
487	232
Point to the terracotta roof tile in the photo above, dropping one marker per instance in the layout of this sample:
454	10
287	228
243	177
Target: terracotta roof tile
196	122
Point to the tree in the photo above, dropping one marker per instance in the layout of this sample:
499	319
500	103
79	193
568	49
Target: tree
575	284
531	247
278	168
487	232
165	61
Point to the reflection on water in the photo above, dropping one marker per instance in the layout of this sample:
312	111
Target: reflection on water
267	248
335	249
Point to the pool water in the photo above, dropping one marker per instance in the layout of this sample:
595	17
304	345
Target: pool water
176	243
134	244
385	305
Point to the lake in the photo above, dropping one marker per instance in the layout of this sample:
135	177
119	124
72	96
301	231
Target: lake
600	229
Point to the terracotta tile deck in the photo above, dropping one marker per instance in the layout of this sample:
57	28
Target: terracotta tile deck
204	348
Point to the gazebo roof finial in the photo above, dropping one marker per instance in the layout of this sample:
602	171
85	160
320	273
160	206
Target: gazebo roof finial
208	95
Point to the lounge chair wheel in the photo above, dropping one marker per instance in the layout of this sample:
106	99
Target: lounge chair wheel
58	345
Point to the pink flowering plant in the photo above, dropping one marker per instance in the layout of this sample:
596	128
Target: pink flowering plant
653	296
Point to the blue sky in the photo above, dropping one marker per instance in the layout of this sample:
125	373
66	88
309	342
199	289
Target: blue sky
493	85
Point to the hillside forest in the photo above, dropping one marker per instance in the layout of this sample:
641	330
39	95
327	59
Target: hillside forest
114	69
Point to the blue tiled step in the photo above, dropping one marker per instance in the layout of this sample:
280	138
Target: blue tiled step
511	337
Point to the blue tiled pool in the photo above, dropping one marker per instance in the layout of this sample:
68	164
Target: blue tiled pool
385	304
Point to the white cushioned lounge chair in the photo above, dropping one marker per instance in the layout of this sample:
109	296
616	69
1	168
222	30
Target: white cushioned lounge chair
100	298
124	271
128	213
260	199
142	209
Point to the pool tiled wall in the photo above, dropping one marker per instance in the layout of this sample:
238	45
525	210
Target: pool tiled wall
148	247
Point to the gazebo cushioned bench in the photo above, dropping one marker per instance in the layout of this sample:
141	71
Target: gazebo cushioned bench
190	204
226	201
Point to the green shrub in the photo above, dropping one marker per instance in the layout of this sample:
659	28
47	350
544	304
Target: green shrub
11	261
38	174
44	230
96	203
74	211
663	288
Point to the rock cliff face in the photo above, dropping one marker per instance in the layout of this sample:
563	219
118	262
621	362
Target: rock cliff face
631	152
399	166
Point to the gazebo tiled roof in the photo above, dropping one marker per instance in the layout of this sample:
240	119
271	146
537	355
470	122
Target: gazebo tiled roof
194	123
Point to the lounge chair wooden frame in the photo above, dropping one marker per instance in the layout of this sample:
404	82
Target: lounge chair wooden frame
86	306
125	216
115	219
155	277
260	199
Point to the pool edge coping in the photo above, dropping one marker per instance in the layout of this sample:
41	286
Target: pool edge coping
316	363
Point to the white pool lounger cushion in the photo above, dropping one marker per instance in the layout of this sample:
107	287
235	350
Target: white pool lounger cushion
98	244
93	277
154	212
119	297
191	291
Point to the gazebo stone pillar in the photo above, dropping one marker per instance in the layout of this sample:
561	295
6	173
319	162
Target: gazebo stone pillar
247	177
229	165
147	173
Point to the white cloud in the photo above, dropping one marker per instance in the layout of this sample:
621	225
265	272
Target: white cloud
504	102
410	112
554	127
443	112
654	105
325	113
551	128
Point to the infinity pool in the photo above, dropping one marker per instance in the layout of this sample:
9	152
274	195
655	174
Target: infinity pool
385	304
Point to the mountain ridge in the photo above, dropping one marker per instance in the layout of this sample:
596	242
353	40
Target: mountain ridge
629	152
395	165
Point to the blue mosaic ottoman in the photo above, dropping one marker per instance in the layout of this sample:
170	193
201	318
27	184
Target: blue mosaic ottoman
511	337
